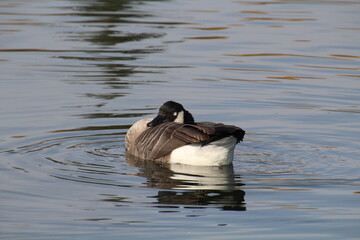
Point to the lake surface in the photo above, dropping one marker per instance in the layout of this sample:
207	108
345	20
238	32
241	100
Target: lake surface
76	74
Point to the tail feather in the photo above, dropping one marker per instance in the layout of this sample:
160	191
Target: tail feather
223	131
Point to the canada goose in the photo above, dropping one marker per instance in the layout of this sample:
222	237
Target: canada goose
173	136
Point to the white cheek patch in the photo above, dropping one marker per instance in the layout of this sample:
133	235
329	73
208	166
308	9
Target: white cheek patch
180	117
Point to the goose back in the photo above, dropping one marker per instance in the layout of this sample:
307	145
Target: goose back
157	143
161	140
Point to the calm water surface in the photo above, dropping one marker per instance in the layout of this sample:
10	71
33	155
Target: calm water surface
76	74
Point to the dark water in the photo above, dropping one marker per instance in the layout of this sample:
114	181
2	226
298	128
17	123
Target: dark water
76	74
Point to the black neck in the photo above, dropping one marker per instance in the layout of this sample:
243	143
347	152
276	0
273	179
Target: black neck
188	118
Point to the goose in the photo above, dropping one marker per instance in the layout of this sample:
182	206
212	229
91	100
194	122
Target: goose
173	136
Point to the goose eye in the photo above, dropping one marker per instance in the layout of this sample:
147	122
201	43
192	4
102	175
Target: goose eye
175	114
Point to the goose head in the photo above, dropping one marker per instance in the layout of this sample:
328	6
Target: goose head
172	112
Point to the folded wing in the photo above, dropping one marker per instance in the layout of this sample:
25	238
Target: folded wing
161	140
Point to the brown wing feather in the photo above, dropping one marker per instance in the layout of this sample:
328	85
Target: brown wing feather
222	130
161	140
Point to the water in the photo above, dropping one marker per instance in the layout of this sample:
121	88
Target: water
76	74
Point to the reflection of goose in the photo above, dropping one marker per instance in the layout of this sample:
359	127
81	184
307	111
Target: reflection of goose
173	136
226	200
192	185
203	177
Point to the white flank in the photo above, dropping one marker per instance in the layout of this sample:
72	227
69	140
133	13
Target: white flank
217	153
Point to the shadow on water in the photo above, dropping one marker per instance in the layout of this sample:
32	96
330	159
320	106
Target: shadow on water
191	185
108	26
